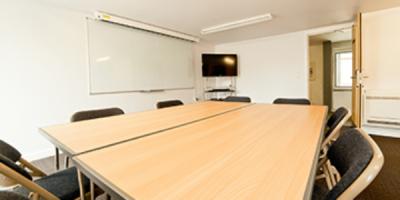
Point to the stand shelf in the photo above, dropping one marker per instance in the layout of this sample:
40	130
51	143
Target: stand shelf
218	88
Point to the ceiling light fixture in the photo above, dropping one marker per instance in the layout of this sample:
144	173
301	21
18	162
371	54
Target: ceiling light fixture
237	24
344	30
103	16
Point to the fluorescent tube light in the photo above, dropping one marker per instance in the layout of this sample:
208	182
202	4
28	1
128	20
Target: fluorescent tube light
237	24
344	30
144	26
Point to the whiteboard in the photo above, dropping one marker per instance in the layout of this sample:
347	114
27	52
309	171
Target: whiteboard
124	59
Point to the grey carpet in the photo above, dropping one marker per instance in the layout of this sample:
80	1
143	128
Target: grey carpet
386	185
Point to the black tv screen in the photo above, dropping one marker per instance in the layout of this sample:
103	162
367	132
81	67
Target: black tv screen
220	65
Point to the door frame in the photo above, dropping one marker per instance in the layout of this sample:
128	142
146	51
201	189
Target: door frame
357	71
328	29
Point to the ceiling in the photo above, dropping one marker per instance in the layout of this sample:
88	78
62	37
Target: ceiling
190	16
335	36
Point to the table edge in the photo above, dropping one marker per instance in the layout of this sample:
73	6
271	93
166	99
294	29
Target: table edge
69	152
312	173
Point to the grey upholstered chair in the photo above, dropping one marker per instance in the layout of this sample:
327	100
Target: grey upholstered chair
87	115
14	156
62	185
169	103
333	128
238	99
292	101
332	132
94	114
355	160
336	118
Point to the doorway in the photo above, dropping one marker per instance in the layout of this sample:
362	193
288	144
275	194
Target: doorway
330	72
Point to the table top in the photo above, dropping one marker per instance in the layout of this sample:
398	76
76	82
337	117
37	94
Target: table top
258	152
79	137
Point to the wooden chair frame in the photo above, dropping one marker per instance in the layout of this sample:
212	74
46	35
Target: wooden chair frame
327	142
34	171
6	181
369	173
14	178
37	191
365	178
323	162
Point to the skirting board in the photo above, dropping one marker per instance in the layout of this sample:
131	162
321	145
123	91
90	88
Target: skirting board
379	131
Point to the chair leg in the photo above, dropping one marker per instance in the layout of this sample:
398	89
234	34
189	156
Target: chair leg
327	177
320	176
331	173
335	174
57	159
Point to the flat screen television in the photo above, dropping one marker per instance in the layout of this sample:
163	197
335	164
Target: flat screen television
219	65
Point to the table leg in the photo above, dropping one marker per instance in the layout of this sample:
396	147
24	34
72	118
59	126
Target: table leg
57	159
81	187
92	193
66	162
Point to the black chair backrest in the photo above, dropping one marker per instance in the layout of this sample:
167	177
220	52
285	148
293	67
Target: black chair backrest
238	99
169	103
9	156
9	151
335	119
94	114
8	195
350	154
292	101
9	163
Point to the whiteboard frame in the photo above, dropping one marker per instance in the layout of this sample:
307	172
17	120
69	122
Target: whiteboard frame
87	19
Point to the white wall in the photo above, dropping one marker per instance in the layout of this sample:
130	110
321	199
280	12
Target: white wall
380	50
271	67
381	64
316	84
341	98
44	74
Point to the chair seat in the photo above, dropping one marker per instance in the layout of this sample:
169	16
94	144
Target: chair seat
63	184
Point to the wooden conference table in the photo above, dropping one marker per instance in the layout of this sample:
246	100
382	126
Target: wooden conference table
81	137
236	151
